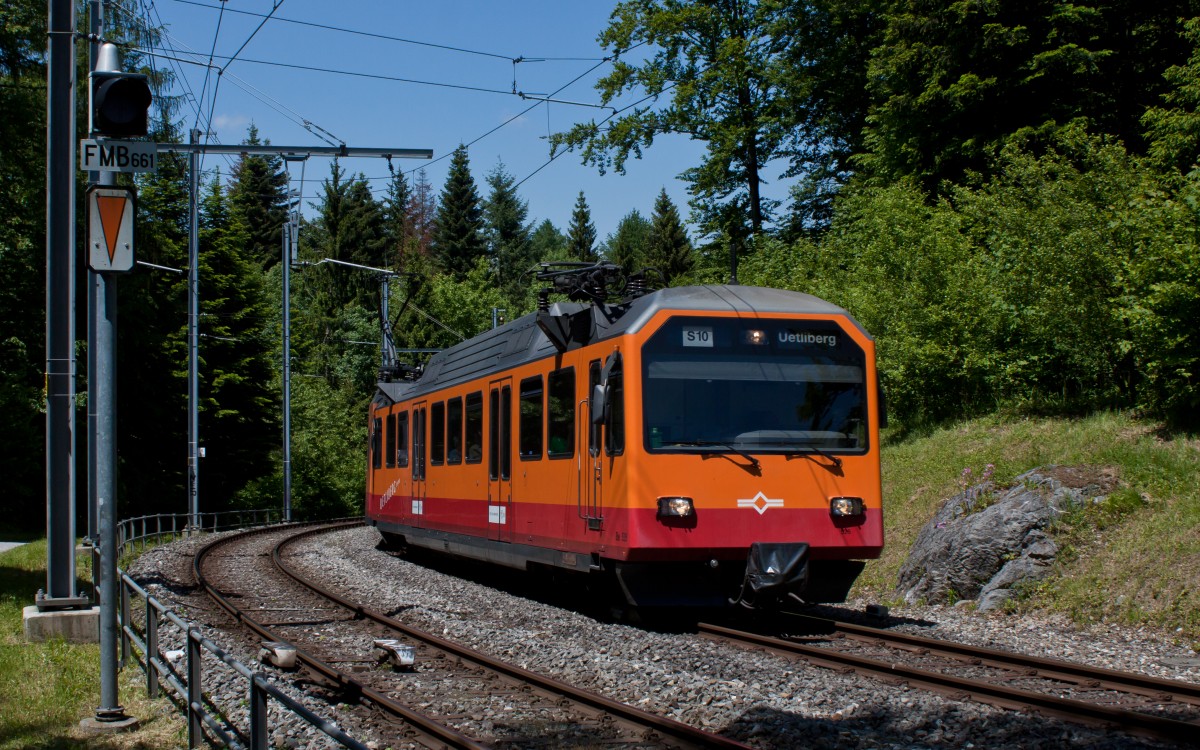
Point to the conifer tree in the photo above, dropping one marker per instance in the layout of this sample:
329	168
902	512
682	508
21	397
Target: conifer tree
259	199
151	472
548	242
350	228
239	409
627	245
22	259
397	227
458	230
581	235
422	214
667	246
508	232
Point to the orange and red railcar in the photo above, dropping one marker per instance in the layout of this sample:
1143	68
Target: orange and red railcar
693	445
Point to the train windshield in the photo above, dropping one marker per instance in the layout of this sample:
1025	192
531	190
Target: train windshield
753	386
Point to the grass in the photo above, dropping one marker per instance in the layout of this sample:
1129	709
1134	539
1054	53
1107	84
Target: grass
46	689
1135	559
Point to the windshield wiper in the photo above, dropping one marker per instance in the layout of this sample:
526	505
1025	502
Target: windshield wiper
806	450
809	450
716	444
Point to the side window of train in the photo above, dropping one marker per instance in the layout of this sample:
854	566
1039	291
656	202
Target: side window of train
418	443
389	455
593	426
437	433
500	434
402	439
614	435
474	436
560	413
506	431
494	435
530	422
377	443
454	431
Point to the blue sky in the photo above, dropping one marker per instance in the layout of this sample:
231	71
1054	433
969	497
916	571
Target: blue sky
556	39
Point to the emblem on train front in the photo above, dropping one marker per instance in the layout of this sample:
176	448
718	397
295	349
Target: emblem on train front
760	502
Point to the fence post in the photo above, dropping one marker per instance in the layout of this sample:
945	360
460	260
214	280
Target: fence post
151	650
195	689
258	715
123	617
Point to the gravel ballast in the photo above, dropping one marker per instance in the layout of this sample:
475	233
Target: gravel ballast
763	700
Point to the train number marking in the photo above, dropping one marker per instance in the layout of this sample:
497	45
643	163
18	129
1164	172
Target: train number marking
698	336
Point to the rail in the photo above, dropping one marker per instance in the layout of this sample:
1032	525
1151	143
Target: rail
206	721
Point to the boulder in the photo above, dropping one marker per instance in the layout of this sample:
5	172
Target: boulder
986	542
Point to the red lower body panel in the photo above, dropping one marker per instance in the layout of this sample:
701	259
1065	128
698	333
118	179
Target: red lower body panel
638	534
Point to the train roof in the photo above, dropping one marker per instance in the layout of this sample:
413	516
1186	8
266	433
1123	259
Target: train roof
523	340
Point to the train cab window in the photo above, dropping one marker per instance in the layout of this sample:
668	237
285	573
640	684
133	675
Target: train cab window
560	413
474	435
530	424
389	455
753	385
454	431
402	439
437	433
614	426
377	443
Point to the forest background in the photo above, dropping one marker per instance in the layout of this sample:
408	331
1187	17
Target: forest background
1005	194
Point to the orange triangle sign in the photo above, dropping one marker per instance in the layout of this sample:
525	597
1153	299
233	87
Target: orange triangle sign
112	210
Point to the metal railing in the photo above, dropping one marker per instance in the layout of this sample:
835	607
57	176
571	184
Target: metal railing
207	722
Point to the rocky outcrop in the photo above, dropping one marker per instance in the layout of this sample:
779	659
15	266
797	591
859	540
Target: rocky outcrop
985	543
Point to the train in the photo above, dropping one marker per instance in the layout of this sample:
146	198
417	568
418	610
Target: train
696	446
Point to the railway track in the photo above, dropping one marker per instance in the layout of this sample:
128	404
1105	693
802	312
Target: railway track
442	698
1133	703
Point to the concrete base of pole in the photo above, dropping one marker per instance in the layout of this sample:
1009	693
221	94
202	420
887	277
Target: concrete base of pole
109	720
74	625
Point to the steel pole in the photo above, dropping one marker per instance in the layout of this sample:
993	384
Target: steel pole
60	311
193	338
102	400
287	371
103	388
96	26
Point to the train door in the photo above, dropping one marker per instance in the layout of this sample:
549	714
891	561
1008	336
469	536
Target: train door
591	467
376	461
417	463
500	459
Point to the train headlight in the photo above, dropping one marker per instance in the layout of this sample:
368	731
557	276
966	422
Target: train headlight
675	507
843	507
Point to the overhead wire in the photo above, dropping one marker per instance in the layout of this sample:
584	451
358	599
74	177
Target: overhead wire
612	115
322	133
208	70
537	99
173	62
402	40
512	119
230	61
376	76
249	88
